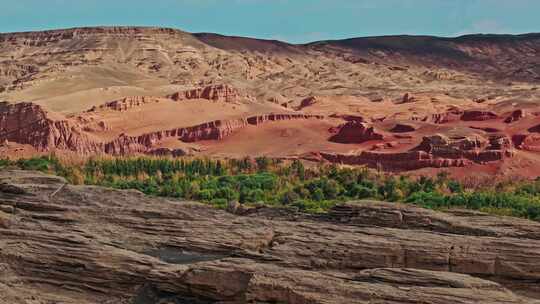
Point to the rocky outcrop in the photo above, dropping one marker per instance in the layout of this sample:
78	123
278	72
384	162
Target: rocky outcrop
348	117
394	161
354	132
499	142
28	123
260	119
440	144
437	151
307	102
527	142
534	129
402	128
477	149
127	103
456	114
515	116
220	92
409	98
478	115
461	222
452	114
94	245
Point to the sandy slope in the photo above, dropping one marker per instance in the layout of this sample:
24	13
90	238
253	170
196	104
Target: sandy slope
390	83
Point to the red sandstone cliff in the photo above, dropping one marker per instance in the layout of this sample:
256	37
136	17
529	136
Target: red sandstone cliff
28	123
219	92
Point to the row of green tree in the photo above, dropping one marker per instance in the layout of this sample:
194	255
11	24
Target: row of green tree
287	183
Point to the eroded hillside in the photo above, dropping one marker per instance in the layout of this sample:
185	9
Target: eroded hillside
396	102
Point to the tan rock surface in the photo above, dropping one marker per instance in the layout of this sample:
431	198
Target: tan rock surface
94	245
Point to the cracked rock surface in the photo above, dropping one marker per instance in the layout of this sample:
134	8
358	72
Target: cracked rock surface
95	245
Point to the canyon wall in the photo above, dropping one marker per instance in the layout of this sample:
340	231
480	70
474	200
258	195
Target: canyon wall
28	123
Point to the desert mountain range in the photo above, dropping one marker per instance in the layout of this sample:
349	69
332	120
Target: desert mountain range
400	103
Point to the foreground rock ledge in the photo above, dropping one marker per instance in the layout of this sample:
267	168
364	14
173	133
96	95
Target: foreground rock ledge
96	245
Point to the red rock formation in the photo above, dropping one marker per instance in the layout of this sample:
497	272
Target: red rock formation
515	116
518	140
411	160
408	97
439	143
355	132
28	123
308	101
527	142
214	92
476	149
535	129
478	115
452	114
127	103
436	151
348	117
215	130
256	120
99	126
402	128
499	142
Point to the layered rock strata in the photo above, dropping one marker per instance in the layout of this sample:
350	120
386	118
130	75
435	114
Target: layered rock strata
220	92
437	151
96	245
28	123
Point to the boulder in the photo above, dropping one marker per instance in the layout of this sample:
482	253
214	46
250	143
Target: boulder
354	132
307	102
408	98
515	116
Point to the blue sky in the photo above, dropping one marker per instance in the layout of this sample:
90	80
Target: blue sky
290	20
